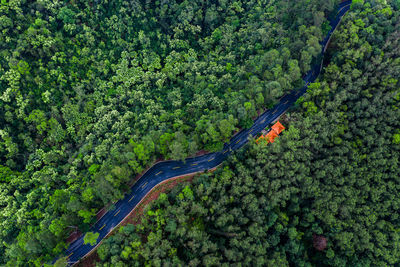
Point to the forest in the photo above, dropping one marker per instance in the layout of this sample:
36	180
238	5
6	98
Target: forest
94	92
326	193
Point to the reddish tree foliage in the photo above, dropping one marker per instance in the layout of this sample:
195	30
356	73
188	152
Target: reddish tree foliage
319	242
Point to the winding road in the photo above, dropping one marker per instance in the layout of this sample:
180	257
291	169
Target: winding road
169	169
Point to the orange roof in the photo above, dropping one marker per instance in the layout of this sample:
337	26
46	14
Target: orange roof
271	136
276	129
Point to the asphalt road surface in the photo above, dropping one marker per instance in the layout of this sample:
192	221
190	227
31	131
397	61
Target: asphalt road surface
168	169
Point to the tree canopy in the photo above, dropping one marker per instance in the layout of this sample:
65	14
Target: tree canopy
325	193
93	92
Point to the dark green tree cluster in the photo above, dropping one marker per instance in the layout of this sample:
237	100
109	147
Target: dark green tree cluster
326	193
92	92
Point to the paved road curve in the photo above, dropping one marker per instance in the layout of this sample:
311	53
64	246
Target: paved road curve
168	169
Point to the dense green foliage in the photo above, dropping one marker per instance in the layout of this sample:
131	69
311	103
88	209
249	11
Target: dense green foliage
333	175
92	92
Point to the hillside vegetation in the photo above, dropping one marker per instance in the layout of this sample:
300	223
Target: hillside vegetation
326	193
93	92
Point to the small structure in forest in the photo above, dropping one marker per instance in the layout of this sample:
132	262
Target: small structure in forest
276	129
319	242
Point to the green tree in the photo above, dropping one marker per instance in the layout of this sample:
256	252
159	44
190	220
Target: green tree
90	238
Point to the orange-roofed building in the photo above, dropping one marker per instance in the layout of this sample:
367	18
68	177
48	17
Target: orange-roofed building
276	129
270	137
